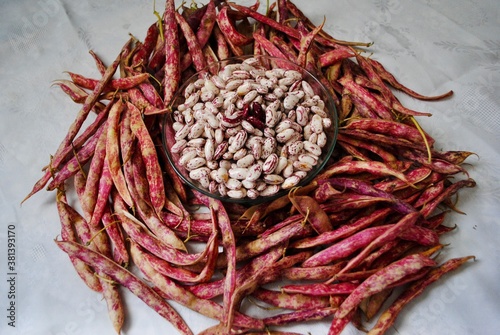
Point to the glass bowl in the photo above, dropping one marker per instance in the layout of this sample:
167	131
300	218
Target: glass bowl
208	109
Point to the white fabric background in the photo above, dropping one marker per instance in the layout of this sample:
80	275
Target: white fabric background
431	45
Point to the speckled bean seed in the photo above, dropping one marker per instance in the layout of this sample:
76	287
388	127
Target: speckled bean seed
237	194
195	163
290	182
254	172
238	173
270	190
245	161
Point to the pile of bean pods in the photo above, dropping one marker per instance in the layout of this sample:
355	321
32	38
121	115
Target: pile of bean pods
359	242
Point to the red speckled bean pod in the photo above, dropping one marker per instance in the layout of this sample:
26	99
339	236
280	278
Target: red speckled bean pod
148	151
172	73
67	218
382	279
75	164
127	279
193	44
387	76
229	30
387	319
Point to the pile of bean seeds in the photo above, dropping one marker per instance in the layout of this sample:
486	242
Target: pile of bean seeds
249	131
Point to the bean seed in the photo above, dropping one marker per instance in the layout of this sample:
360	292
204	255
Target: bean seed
241	74
245	161
210	107
192	99
198	106
248	184
209	132
312	148
293	74
279	92
260	185
213	164
288	170
220	150
319	111
218	81
302	166
196	130
176	126
195	163
213	186
211	120
270	190
250	96
189	90
221	175
238	142
254	172
233	131
228	155
199	83
196	142
178	146
317	124
273	179
286	81
238	173
290	182
209	149
237	194
270	164
187	155
295	87
222	189
269	132
233	184
295	148
252	193
290	101
183	132
218	101
301	115
210	86
313	138
282	163
285	135
257	150
233	84
308	158
199	173
270	97
225	164
322	140
300	174
240	154
327	122
207	96
306	87
218	135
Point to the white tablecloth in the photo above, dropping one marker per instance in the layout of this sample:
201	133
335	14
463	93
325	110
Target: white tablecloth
433	46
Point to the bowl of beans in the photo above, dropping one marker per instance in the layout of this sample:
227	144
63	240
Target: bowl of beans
249	129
